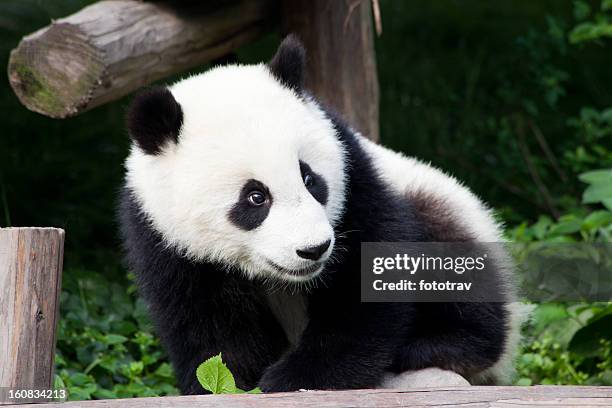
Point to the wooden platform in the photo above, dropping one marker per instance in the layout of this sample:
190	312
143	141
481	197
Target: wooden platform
537	396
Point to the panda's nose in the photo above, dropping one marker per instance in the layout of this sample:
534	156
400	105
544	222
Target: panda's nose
314	252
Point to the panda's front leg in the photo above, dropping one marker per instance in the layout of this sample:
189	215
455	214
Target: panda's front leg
341	351
332	362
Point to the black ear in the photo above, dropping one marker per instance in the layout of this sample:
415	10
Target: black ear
154	118
289	62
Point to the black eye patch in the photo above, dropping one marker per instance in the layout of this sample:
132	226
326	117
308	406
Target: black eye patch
243	214
317	186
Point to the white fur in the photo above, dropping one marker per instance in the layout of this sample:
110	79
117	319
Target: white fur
240	124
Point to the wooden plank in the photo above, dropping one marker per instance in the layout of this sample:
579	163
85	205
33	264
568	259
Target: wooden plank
339	41
484	396
113	47
30	281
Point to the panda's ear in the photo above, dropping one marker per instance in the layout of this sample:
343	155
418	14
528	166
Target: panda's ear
154	118
288	64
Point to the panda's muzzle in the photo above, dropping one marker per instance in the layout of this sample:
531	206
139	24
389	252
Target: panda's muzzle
297	272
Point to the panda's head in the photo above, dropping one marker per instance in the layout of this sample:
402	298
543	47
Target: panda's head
238	166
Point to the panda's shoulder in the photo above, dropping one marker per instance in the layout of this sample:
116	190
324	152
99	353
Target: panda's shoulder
438	196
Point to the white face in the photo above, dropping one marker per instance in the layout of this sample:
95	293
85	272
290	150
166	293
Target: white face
256	179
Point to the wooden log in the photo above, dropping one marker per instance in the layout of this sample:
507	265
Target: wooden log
30	281
113	47
474	397
339	40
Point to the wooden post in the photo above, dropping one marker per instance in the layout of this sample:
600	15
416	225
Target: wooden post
339	40
30	281
114	47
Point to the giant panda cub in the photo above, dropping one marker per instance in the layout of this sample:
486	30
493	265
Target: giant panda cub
244	206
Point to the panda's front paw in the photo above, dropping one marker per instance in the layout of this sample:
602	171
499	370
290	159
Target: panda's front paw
278	379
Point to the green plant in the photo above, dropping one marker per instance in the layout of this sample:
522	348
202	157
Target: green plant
214	376
590	149
599	27
599	189
581	223
571	343
567	344
105	344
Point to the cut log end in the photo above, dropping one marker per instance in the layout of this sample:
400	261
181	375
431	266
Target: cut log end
110	48
53	76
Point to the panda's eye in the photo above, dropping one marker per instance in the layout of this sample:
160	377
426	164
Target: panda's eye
256	198
308	180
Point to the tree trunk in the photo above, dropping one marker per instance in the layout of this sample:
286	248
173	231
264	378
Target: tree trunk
339	41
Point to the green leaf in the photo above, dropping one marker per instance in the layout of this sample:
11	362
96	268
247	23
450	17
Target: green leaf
79	379
606	5
150	359
581	10
136	367
589	31
255	390
586	341
524	382
58	383
164	371
596	193
547	313
123	327
582	32
606	377
81	393
540	228
597	219
565	227
215	377
596	176
102	393
114	339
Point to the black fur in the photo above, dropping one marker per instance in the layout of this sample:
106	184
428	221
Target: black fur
201	309
318	188
154	118
243	214
288	64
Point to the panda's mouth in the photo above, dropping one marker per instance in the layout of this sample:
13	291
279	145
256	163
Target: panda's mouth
298	273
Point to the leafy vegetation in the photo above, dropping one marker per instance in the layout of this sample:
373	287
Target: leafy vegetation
511	97
572	343
106	347
569	343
